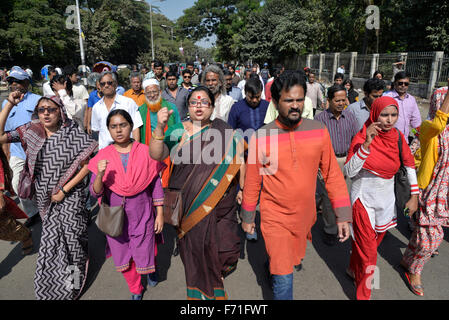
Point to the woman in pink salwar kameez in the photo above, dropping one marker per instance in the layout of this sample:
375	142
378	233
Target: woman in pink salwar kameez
124	173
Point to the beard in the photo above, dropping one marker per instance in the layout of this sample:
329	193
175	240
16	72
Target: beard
290	122
215	89
154	105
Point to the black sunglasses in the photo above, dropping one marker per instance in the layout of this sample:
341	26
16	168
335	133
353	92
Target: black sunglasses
403	83
110	83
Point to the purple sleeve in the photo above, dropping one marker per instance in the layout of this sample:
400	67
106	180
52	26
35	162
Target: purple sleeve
158	192
91	187
415	120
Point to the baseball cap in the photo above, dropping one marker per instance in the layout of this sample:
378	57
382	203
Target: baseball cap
19	74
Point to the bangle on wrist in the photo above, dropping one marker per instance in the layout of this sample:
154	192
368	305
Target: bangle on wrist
157	137
62	189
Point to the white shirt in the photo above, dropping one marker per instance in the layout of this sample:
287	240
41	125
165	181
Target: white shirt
80	92
47	91
222	107
375	193
73	107
100	113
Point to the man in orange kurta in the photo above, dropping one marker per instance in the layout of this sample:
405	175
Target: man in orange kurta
136	92
283	161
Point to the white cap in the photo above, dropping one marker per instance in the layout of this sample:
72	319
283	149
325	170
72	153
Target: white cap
150	82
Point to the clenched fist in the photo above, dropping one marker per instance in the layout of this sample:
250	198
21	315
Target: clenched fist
102	165
162	117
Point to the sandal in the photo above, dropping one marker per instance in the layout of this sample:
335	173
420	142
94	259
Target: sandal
417	288
435	253
27	246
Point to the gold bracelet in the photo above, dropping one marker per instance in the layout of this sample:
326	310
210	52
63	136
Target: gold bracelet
157	137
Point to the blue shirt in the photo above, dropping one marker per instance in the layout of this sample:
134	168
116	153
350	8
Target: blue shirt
235	93
120	90
360	111
243	116
93	99
20	115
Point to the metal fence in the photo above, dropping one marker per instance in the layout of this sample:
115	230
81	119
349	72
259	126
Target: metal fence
443	71
427	70
418	65
362	68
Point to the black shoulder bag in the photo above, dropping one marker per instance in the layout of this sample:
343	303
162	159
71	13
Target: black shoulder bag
401	184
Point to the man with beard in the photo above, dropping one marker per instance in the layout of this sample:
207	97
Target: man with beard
148	112
176	94
213	78
286	154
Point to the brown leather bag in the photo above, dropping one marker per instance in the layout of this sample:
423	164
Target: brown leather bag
25	189
110	220
173	209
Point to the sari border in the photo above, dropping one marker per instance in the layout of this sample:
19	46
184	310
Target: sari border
216	194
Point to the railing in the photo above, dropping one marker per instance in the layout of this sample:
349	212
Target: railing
426	69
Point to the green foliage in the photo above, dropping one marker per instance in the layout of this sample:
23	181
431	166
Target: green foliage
33	32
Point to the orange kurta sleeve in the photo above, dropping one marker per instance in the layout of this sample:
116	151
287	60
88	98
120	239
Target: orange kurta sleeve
335	182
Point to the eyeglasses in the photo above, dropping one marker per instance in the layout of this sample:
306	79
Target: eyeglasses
202	103
42	110
187	77
403	83
151	93
109	83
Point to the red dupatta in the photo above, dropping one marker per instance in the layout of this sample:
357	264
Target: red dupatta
140	171
383	159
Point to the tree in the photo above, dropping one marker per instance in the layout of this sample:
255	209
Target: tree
224	18
33	33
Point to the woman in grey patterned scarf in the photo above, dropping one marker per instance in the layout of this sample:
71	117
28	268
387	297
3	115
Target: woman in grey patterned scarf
57	153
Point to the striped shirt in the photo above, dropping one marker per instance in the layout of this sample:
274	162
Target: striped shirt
341	131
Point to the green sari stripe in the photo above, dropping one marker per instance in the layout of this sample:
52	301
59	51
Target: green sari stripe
195	293
217	176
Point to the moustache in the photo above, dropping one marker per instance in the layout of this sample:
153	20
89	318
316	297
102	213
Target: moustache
294	110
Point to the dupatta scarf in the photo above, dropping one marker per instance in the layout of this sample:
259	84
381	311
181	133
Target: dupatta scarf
140	171
384	150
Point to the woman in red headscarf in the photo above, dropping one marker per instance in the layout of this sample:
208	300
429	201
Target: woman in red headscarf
373	160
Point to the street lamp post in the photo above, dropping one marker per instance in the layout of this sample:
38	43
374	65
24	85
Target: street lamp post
83	59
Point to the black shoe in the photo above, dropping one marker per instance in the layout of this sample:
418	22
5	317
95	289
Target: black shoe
330	239
298	267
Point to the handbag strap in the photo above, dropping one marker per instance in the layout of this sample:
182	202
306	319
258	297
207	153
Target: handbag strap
400	147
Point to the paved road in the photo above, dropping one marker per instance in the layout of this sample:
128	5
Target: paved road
322	278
